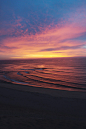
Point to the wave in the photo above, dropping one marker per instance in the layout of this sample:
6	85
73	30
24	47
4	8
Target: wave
60	74
47	82
14	80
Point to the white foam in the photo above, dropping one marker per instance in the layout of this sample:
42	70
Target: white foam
15	80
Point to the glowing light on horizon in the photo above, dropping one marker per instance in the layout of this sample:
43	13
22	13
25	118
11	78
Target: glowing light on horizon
64	39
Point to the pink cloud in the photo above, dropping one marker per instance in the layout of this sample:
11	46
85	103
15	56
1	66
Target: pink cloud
54	40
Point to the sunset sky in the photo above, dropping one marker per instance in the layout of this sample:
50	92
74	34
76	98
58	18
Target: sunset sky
42	28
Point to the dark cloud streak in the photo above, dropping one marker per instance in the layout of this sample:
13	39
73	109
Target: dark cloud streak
62	48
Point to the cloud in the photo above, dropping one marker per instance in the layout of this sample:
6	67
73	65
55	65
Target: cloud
45	28
62	48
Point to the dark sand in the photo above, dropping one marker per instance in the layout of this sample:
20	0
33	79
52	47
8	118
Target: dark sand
23	107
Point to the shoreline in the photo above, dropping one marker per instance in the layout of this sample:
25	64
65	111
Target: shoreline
48	91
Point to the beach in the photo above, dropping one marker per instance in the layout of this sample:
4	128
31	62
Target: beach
43	64
42	108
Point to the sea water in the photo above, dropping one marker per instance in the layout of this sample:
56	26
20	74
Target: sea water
56	73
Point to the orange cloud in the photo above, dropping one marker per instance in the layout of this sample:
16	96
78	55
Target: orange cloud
49	42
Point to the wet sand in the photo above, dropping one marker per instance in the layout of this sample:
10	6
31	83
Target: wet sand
23	107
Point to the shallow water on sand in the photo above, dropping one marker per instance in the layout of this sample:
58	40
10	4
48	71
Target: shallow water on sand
56	73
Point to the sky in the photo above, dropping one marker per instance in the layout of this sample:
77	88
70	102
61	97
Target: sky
42	28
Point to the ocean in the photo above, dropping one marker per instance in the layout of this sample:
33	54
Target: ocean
55	73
